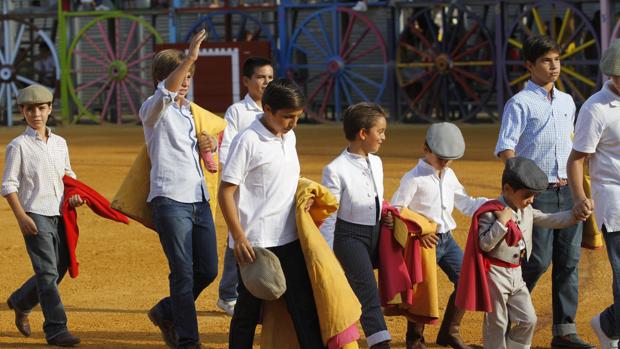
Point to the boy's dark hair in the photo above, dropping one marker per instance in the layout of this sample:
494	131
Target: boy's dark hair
359	116
538	46
165	62
252	63
283	94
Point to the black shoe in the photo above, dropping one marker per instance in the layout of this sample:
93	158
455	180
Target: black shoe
21	319
190	346
64	339
165	326
570	341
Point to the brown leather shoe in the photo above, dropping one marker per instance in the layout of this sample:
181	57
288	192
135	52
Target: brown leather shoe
65	339
449	334
165	326
21	319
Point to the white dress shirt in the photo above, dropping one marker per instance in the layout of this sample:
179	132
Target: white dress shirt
424	192
239	117
34	169
172	145
597	132
356	181
266	169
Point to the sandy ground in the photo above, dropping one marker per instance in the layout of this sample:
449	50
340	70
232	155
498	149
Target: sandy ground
123	271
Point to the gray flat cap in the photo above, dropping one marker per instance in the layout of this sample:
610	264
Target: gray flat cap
264	278
610	63
524	172
34	94
445	140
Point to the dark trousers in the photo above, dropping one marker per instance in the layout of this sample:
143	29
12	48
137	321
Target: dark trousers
187	235
50	259
610	317
356	247
562	247
298	297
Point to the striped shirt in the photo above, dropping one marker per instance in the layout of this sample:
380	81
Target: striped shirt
34	169
539	129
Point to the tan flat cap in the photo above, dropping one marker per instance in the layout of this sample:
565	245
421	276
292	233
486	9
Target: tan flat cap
34	94
610	63
264	278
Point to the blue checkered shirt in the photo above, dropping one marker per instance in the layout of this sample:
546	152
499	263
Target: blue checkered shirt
539	129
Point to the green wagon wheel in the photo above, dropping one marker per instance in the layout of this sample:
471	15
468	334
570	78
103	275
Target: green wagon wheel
110	59
578	41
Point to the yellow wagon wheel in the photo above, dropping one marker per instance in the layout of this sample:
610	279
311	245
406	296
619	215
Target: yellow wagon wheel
579	47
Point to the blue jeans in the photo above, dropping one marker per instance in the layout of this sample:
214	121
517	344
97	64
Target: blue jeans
610	317
563	248
187	235
229	281
50	259
449	257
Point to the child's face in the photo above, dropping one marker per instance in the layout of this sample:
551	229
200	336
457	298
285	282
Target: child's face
520	198
282	120
184	89
546	69
258	82
36	114
434	160
373	137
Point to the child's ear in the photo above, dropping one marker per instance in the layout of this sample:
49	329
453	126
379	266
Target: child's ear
246	80
362	134
267	108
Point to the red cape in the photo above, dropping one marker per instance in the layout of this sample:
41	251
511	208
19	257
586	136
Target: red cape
96	202
473	290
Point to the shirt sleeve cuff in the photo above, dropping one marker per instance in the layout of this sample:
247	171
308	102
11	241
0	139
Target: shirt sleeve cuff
583	149
6	190
231	179
161	87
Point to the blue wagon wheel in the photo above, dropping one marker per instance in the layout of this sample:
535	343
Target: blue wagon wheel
445	63
22	49
232	25
339	57
573	32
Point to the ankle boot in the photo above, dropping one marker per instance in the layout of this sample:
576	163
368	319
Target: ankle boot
449	331
415	336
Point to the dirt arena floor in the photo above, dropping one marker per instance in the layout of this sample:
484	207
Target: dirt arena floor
123	271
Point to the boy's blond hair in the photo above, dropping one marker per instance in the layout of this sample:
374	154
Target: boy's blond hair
165	62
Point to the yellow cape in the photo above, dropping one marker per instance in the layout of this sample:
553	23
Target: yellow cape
337	305
133	192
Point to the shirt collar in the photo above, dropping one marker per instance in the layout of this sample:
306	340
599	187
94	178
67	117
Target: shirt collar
428	168
31	132
357	159
250	104
614	99
264	132
532	86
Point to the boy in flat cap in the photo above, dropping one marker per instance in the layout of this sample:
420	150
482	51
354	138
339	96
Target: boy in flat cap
32	184
537	123
597	135
432	189
499	240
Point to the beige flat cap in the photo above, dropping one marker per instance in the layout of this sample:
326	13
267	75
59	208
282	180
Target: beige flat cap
264	278
610	63
34	94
